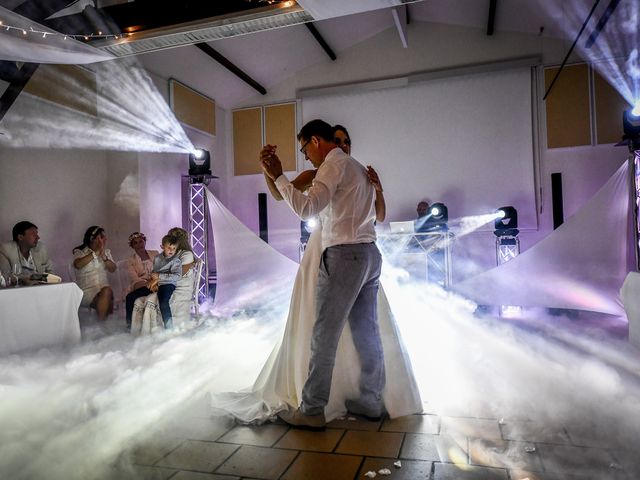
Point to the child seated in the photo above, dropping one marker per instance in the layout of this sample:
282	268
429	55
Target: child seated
167	270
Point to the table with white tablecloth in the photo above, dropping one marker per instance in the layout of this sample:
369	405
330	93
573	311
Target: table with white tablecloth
39	316
630	294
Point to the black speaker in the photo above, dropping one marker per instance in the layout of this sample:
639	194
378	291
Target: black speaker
262	217
556	200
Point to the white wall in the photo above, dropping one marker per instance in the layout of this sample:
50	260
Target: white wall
163	189
62	191
431	47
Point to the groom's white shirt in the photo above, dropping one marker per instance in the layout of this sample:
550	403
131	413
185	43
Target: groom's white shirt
341	195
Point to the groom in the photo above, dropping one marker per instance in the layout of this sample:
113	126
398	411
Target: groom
342	196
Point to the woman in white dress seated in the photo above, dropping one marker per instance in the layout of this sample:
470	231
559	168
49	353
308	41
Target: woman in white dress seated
146	312
279	384
92	260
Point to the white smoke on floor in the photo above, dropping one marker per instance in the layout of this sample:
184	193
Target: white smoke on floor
534	372
70	414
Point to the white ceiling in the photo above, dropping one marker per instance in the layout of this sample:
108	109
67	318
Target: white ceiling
272	56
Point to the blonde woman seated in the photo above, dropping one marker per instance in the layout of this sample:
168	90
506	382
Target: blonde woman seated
92	260
139	267
146	311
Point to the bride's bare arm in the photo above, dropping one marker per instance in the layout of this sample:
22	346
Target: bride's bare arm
271	185
303	181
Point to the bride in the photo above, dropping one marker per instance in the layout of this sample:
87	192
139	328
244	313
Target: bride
279	384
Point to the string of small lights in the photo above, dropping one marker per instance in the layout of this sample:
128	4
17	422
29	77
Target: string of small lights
99	35
65	36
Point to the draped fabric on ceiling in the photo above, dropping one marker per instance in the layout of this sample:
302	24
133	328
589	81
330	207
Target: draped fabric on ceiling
39	48
251	274
581	265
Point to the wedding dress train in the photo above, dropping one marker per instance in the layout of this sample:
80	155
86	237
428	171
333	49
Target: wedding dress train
282	378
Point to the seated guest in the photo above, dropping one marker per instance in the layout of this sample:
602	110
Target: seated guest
167	270
420	224
27	252
139	265
146	313
92	261
422	209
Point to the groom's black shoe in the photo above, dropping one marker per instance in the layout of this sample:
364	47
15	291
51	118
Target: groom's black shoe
370	413
297	419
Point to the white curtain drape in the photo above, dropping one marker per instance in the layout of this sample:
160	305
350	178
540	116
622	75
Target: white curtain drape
40	48
581	265
251	274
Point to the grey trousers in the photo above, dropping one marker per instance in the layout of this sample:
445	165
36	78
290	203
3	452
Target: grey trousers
347	290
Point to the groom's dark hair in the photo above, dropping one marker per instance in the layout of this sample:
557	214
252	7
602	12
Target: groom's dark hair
318	128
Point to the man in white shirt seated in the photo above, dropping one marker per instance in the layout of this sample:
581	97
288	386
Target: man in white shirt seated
29	256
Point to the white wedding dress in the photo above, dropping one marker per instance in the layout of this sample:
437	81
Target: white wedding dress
282	378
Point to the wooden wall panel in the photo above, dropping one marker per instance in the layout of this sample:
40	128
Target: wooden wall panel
247	141
609	108
568	107
67	85
192	108
280	130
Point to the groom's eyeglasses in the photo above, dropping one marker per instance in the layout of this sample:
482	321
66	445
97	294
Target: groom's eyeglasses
303	149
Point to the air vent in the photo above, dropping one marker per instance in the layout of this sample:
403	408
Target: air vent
203	31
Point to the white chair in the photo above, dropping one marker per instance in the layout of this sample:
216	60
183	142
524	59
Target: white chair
197	271
123	278
116	287
71	270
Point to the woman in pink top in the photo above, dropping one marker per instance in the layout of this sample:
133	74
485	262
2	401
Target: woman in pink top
139	265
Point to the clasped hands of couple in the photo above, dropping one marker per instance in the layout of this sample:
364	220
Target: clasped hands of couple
272	166
270	162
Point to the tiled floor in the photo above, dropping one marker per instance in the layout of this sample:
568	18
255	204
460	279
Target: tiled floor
428	446
447	445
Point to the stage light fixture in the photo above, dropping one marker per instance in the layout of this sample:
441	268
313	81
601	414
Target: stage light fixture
199	162
437	218
200	167
306	228
507	221
631	127
507	246
310	224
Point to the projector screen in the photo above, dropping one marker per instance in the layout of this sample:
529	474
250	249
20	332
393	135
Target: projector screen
465	141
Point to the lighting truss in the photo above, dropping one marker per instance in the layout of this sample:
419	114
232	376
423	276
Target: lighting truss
508	248
198	228
636	183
